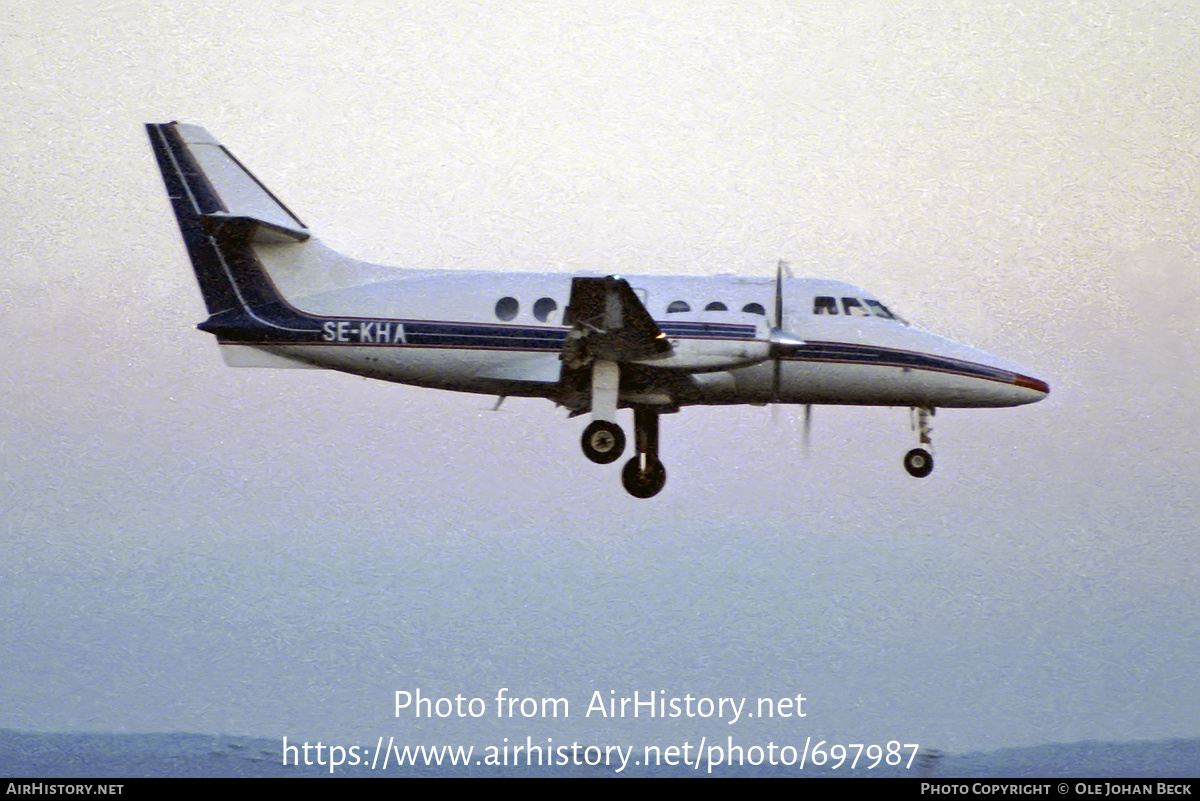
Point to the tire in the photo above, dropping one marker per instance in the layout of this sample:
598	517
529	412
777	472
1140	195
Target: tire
643	484
603	442
918	462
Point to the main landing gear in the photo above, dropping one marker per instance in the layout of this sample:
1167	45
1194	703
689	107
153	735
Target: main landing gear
644	475
603	440
919	461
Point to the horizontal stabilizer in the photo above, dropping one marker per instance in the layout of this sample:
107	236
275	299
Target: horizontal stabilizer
246	356
224	190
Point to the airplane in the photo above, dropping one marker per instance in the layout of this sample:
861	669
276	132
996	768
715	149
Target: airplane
594	344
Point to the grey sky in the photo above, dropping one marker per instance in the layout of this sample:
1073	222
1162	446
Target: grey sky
190	547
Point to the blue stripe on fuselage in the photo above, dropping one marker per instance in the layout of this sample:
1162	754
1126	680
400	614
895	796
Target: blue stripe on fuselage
285	325
846	353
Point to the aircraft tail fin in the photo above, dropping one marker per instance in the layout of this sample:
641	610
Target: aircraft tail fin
222	210
214	186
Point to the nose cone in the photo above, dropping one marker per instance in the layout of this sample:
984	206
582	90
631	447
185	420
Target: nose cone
1012	384
1036	385
998	385
960	375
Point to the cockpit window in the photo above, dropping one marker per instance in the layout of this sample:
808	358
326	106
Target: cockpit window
879	310
678	306
754	308
824	304
716	305
854	308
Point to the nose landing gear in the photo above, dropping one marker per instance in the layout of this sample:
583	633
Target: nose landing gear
919	461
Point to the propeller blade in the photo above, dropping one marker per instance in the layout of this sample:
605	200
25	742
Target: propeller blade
783	342
779	268
777	330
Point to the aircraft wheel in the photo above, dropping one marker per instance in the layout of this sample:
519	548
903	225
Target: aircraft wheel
918	462
645	484
603	442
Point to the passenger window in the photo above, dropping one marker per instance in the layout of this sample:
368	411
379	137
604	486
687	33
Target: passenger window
852	307
543	308
754	308
507	308
678	306
880	310
824	305
716	305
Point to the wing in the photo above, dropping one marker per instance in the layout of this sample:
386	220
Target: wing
609	322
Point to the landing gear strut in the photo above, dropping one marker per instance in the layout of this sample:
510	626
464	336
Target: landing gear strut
603	440
644	475
919	461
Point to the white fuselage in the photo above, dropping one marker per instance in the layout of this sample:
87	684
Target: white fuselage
510	329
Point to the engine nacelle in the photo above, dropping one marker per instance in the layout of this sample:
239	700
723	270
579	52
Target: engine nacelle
713	341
